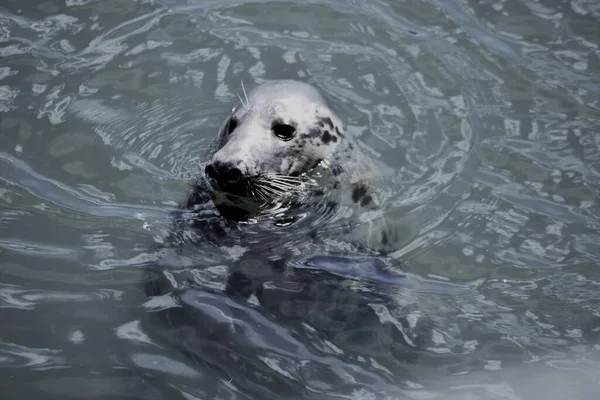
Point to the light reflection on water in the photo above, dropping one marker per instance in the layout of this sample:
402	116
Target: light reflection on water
482	116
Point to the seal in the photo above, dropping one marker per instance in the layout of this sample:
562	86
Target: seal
282	159
292	193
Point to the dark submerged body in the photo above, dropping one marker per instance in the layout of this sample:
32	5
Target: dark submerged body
299	306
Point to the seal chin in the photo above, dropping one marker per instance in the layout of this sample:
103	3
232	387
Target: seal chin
235	206
238	189
234	213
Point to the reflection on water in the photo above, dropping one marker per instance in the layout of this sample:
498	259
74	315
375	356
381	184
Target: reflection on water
482	116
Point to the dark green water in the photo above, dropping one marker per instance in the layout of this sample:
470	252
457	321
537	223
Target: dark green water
484	116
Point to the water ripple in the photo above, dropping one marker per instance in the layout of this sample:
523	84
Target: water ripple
16	356
16	172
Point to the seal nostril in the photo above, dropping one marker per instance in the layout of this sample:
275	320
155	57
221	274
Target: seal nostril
210	171
233	175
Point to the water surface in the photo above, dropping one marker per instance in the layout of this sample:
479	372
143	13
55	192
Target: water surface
483	117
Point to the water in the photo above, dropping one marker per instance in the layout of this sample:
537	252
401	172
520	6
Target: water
482	115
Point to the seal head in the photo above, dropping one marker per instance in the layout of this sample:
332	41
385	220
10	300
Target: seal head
271	141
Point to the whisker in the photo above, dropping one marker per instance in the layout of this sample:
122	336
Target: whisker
244	91
281	185
271	189
294	182
249	188
258	192
270	195
285	182
297	178
274	191
289	179
261	194
284	186
241	101
263	184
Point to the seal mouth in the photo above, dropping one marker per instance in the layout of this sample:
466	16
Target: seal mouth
253	196
241	196
267	187
242	187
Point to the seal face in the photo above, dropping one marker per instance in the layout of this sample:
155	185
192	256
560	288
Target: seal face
270	142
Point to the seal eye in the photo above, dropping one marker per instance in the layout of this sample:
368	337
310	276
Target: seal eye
231	125
283	131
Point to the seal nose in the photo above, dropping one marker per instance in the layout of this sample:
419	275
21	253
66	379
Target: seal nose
223	174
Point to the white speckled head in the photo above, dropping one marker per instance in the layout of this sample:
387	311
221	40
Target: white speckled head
284	128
